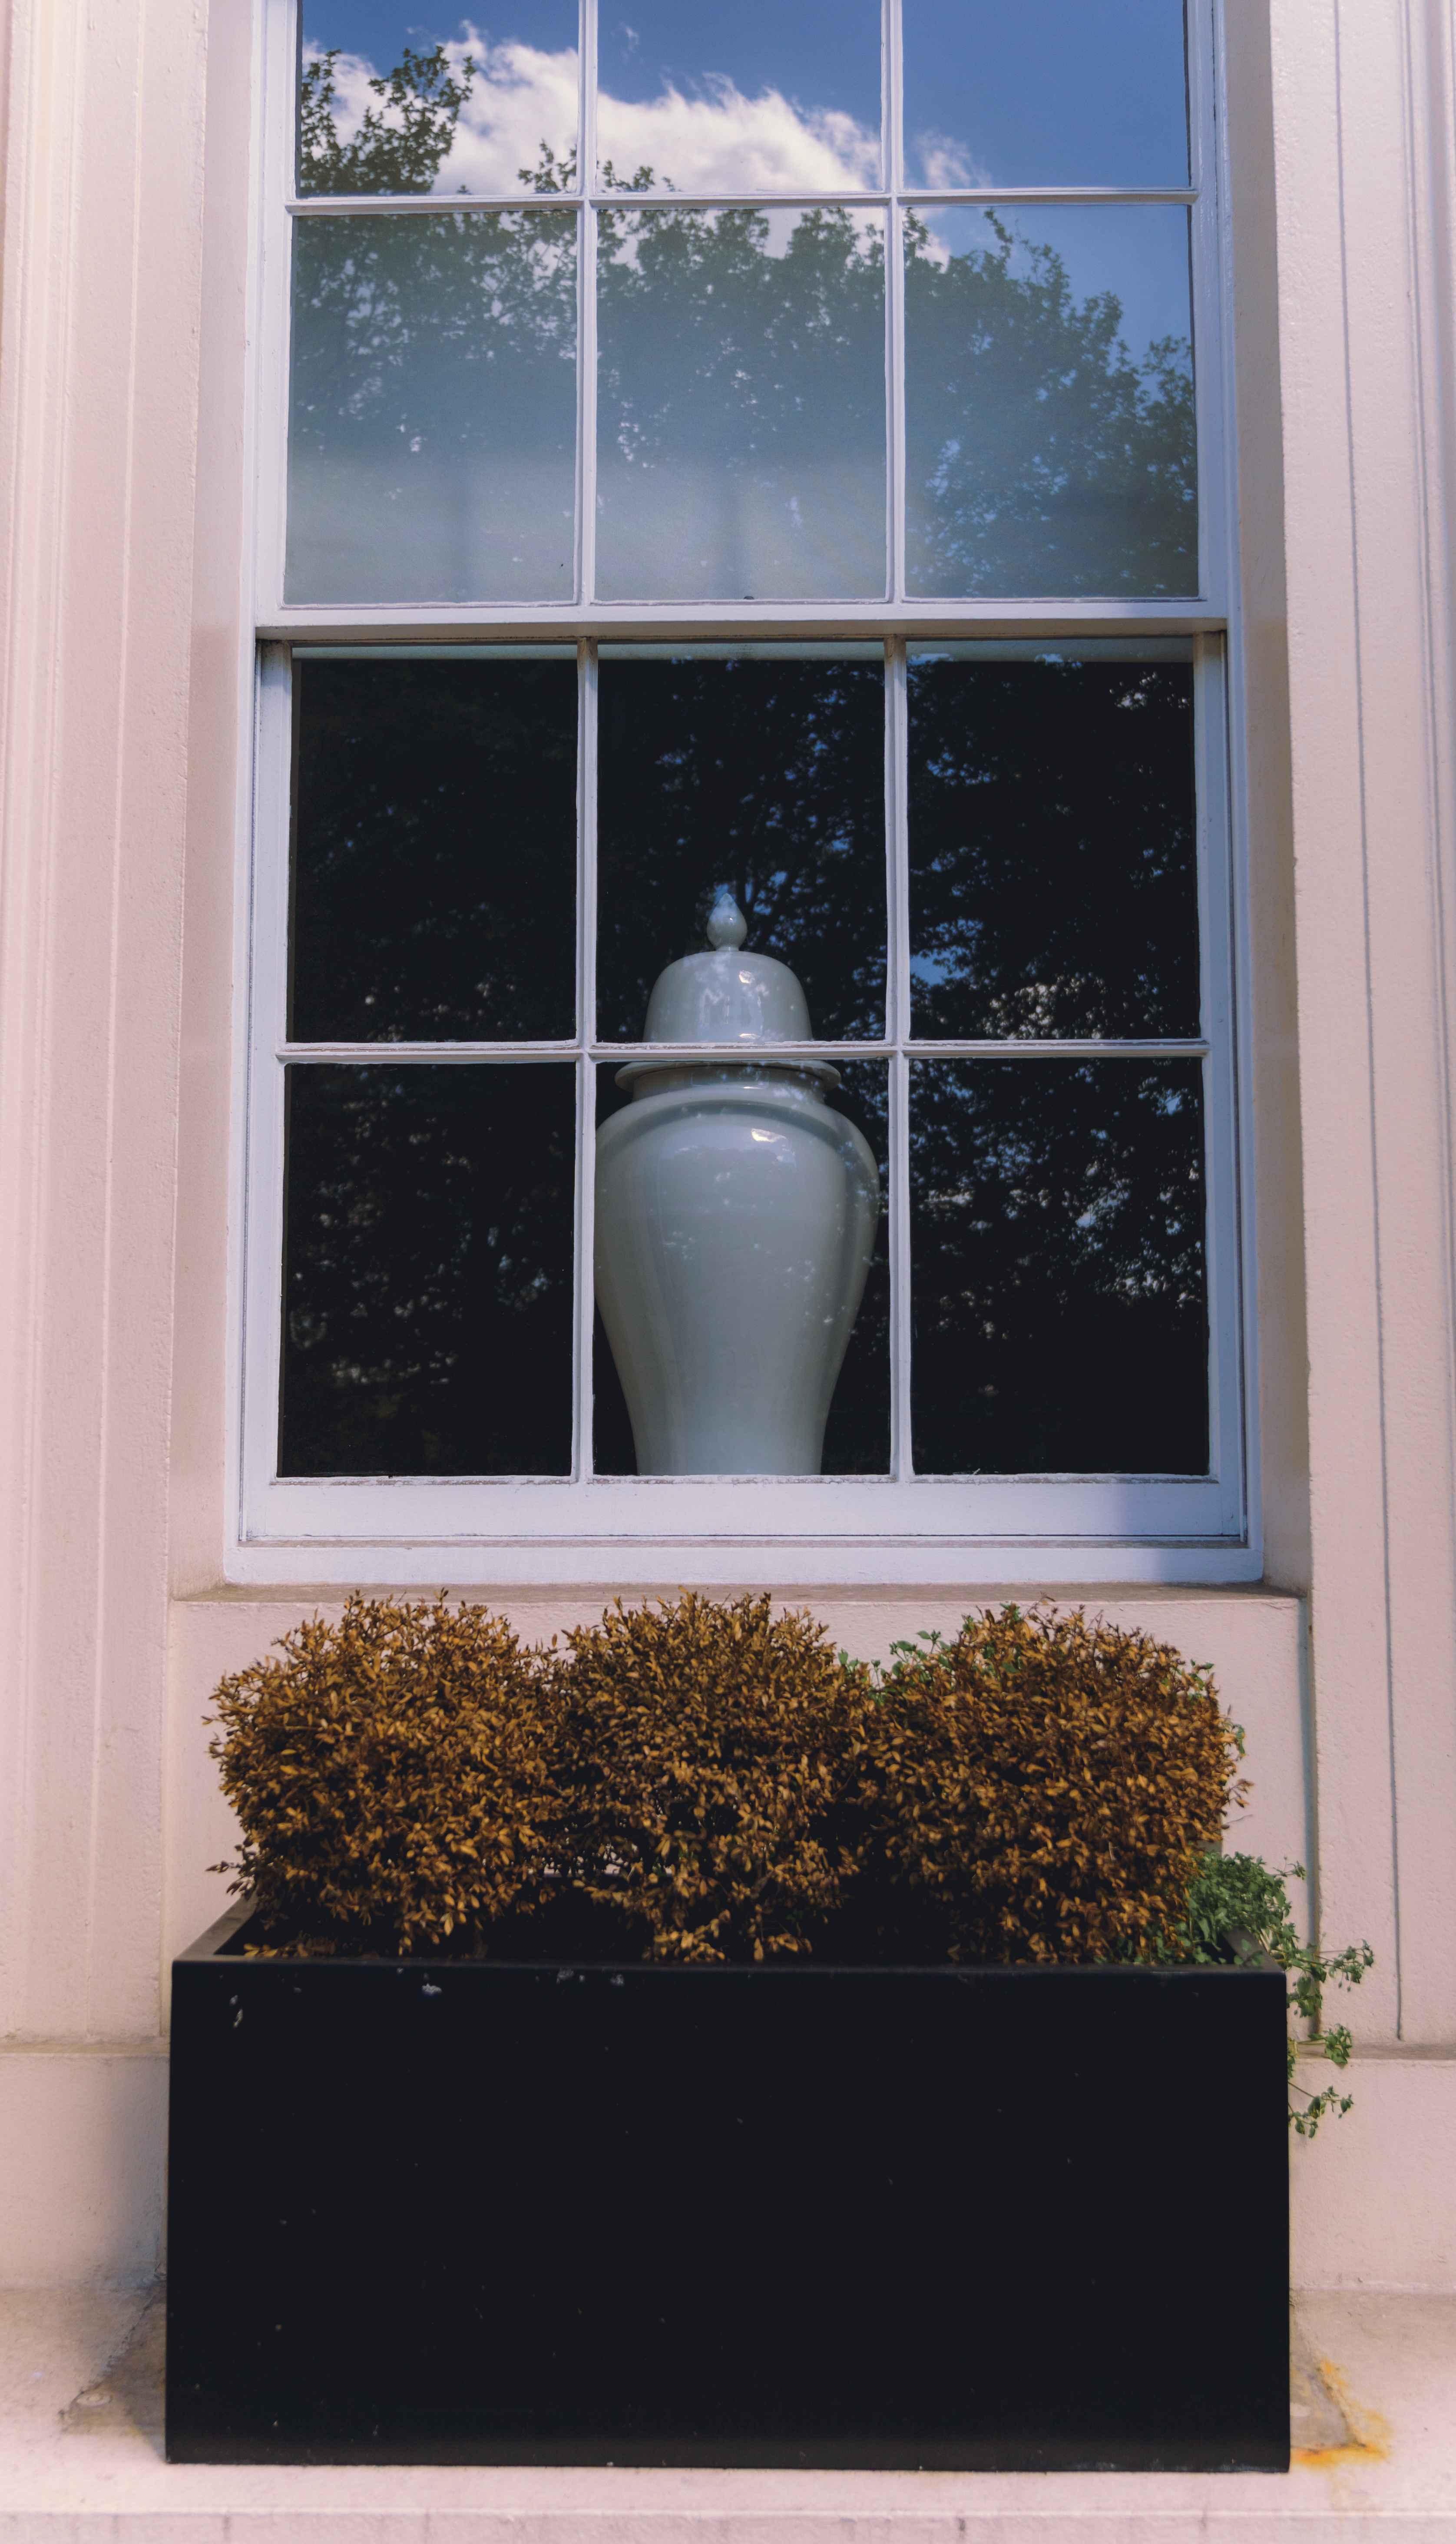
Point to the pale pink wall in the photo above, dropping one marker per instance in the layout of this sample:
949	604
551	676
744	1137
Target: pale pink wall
121	618
98	434
1364	130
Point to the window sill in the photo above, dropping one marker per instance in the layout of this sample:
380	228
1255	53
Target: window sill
716	1561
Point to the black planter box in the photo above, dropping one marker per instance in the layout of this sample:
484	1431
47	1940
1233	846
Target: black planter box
475	2212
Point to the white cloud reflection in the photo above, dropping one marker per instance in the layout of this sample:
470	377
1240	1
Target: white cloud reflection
946	164
723	142
717	141
518	99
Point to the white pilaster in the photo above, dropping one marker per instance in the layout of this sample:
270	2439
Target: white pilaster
1363	131
98	409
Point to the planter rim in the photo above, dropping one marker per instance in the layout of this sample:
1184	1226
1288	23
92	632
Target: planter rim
209	1946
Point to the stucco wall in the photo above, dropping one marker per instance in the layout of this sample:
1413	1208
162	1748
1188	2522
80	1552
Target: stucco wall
123	482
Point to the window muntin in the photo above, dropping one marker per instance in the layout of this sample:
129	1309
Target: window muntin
615	404
532	1521
1021	1019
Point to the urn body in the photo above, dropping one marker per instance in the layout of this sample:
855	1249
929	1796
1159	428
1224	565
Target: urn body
736	1218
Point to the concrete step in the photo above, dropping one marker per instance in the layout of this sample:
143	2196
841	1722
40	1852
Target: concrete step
81	2461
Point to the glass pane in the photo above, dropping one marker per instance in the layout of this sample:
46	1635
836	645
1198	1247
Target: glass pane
740	427
740	1216
393	103
432	441
434	859
1053	867
1050	401
739	96
1058	1292
762	772
428	1271
1045	93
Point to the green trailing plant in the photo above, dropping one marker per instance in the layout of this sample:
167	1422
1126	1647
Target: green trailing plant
1238	1910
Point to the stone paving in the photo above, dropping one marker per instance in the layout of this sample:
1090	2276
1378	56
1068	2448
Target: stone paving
81	2460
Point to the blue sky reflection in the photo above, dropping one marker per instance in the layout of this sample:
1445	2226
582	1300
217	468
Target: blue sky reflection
1137	251
742	92
1044	93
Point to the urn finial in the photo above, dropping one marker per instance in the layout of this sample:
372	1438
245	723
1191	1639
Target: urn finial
726	925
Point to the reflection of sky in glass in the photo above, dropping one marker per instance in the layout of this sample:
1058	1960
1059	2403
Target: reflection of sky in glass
1048	449
725	341
1056	1217
1044	93
1137	251
713	100
523	93
1053	887
742	93
433	408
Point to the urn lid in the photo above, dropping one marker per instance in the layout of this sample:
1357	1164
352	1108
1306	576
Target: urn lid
727	996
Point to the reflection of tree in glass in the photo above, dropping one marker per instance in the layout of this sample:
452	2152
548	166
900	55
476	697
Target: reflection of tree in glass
428	1271
857	1433
741	391
402	140
768	775
436	851
1059	1311
1053	884
432	382
433	406
394	317
741	402
1041	457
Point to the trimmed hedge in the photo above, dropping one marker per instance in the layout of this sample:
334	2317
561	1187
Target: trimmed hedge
702	1780
1042	1789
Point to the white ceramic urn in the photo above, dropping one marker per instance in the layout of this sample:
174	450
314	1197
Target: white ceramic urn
735	1217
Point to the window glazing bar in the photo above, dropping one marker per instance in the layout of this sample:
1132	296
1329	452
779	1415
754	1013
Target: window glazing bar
586	253
897	845
895	315
315	207
923	621
584	1391
766	1055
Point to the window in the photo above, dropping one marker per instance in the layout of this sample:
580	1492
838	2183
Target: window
781	579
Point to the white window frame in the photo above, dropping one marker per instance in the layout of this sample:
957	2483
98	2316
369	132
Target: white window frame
802	1531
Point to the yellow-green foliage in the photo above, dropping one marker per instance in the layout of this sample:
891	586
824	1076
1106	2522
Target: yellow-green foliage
392	1775
1042	1789
711	1781
709	1745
